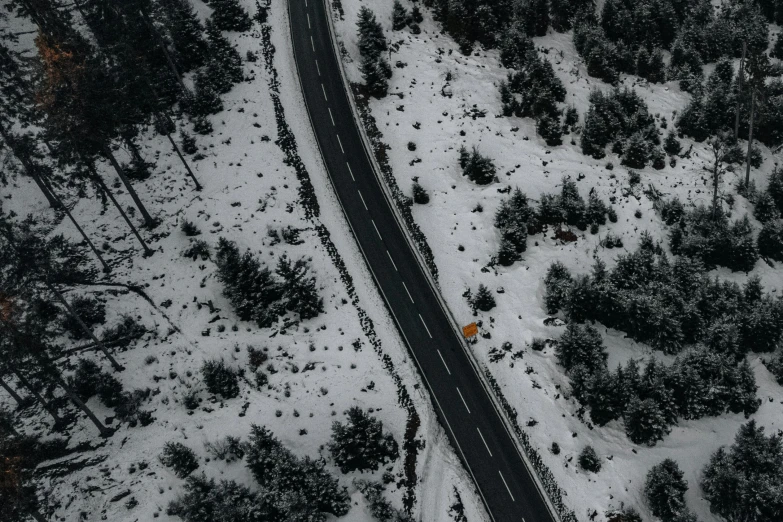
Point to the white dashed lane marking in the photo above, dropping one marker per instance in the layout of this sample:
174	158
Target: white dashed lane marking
362	198
392	261
406	290
349	170
341	143
425	326
485	442
463	400
507	488
444	362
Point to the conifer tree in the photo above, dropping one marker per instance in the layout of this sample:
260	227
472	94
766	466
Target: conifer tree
399	16
186	31
229	15
372	42
483	300
665	490
374	76
360	444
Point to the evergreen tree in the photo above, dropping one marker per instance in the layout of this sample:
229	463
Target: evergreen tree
300	294
665	490
645	423
226	59
740	481
420	195
374	76
483	300
515	47
361	444
636	152
206	500
187	33
558	283
770	240
416	15
581	345
220	379
550	129
511	220
399	16
671	144
372	42
479	169
656	68
181	459
229	15
588	460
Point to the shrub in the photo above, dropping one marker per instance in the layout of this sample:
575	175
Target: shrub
189	228
228	448
89	380
671	144
380	508
479	169
665	490
197	249
190	400
220	379
558	282
588	460
181	459
91	311
124	332
360	444
420	195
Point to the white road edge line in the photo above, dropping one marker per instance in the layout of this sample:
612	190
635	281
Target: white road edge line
444	363
376	229
507	488
330	115
362	198
313	44
349	170
317	68
392	260
485	445
463	399
425	326
339	141
322	85
406	290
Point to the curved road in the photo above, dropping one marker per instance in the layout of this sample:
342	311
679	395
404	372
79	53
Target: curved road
462	404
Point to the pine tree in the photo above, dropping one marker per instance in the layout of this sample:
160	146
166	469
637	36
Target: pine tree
372	42
229	15
588	460
186	32
636	152
671	144
416	15
399	16
550	129
483	300
581	345
374	77
206	500
361	444
656	68
180	458
645	423
300	293
479	169
420	195
770	241
558	283
665	490
223	54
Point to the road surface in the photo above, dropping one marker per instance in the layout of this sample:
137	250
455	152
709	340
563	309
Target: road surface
462	404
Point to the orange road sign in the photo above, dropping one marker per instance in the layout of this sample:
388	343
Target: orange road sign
470	330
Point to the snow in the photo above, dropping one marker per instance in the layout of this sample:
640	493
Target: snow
242	172
535	384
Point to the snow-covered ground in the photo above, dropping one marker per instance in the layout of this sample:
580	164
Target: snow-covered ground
422	65
248	191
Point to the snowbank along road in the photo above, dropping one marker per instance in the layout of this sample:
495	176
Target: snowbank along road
472	424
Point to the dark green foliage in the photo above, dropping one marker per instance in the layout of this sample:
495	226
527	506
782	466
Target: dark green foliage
229	15
181	459
569	207
360	444
188	143
708	235
257	294
775	187
420	195
765	209
479	169
564	12
741	480
416	15
775	366
645	423
550	129
89	380
671	144
372	42
483	300
90	310
516	47
299	488
771	240
399	16
664	490
533	89
588	460
186	32
602	57
619	115
558	283
124	332
374	73
380	508
225	61
580	345
206	500
511	220
220	379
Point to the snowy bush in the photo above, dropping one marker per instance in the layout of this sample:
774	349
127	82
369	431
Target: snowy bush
189	228
479	169
588	460
228	448
197	249
420	195
220	379
483	300
380	508
181	459
360	444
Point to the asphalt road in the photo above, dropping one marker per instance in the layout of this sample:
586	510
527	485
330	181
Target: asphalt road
462	403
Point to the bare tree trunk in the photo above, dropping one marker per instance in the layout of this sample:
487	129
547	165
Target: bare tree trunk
105	432
57	420
61	205
148	221
83	326
28	167
102	184
11	391
134	150
739	89
184	162
750	136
